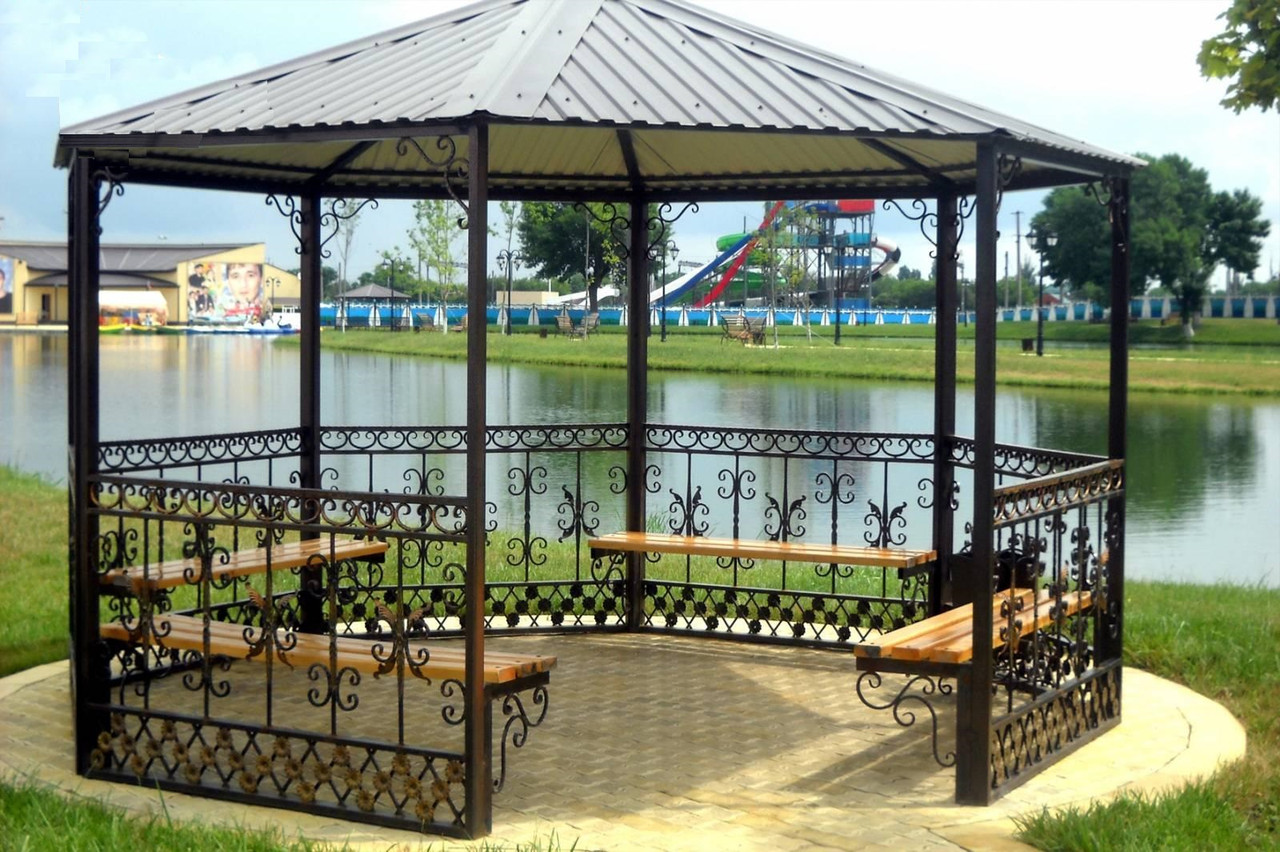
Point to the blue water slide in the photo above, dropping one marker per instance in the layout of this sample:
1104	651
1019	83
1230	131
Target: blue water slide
677	288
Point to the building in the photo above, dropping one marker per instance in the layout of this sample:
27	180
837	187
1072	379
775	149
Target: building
162	284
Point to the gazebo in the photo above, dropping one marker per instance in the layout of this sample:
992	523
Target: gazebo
263	616
374	293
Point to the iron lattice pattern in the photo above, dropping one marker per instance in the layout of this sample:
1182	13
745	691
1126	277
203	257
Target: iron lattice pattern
798	616
1052	725
321	774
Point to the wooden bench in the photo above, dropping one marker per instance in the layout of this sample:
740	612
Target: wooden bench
461	326
947	638
742	329
788	551
226	639
243	563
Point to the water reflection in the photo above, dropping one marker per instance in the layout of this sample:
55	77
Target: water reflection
1204	474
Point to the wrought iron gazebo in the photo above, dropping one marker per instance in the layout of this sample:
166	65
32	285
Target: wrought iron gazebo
268	615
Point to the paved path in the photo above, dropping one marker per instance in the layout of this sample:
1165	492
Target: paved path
682	744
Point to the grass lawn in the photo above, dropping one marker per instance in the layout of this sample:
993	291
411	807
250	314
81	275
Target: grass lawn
1229	357
1221	641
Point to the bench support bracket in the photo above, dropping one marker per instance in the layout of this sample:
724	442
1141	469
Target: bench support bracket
928	686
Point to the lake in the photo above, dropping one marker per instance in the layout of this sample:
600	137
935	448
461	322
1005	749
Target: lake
1204	473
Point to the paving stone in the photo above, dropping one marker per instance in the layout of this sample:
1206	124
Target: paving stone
674	744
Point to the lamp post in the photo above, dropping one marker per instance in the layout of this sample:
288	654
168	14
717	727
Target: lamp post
1041	240
668	248
391	285
272	282
507	261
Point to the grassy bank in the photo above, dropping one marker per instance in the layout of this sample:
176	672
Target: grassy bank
1221	641
1251	365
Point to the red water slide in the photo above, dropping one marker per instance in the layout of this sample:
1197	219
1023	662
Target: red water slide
740	259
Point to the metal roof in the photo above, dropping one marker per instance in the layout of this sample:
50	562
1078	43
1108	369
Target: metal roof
584	96
373	291
107	281
115	257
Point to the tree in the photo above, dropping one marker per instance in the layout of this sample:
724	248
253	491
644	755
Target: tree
563	239
1248	53
906	273
1236	232
1081	260
435	227
346	234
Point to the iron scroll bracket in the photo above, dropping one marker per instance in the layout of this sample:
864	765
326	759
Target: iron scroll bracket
928	686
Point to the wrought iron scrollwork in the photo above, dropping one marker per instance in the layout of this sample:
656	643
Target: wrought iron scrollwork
615	222
519	723
114	180
289	209
906	718
337	214
451	167
658	226
925	219
883	521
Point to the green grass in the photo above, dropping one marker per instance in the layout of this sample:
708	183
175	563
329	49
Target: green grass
1228	357
1221	641
33	817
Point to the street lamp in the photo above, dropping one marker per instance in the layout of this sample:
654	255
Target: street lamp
1041	240
508	261
391	285
668	248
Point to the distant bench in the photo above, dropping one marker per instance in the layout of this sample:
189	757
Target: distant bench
742	329
788	551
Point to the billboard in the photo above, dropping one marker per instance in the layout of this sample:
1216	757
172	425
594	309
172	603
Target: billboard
225	293
6	285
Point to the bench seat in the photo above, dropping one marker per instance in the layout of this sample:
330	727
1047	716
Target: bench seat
948	637
226	639
242	563
790	551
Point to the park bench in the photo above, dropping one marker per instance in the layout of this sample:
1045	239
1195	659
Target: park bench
947	639
461	326
590	323
504	673
424	321
741	329
566	326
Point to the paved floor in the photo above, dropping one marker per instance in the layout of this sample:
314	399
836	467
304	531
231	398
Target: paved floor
680	744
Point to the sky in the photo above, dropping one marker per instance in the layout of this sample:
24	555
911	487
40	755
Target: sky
1119	74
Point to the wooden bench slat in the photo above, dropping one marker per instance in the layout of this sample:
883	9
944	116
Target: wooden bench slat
756	549
948	637
187	633
243	563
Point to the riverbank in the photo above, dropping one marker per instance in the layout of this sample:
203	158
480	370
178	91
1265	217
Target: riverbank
1221	641
1230	357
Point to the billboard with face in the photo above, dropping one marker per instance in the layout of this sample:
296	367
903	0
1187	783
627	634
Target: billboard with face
6	285
225	292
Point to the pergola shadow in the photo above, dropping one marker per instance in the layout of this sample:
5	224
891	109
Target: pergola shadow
337	583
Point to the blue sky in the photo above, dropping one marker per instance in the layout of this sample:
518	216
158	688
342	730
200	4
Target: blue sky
1121	75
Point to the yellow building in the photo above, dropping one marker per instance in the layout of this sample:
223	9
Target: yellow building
156	284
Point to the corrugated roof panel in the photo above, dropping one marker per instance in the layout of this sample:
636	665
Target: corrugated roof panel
569	63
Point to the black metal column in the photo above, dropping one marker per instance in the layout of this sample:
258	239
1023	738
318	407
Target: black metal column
88	675
479	778
1111	636
944	401
309	380
973	706
311	600
637	398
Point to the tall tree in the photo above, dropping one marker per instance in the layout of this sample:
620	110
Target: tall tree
1236	232
563	239
1247	53
1081	260
346	234
433	235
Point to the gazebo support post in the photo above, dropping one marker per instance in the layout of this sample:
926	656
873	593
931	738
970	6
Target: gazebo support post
973	705
637	399
1111	632
944	400
479	721
312	604
88	675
